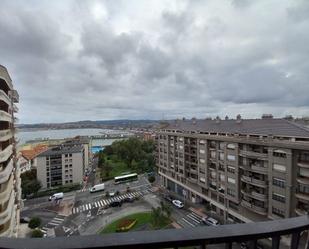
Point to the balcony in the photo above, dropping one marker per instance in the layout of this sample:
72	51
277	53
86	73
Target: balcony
254	181
303	180
4	116
254	208
6	153
6	172
7	189
5	135
7	213
254	194
4	97
176	238
302	196
14	96
253	154
5	75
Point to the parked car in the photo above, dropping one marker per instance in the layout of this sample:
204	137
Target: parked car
178	203
24	220
168	198
129	199
115	204
210	221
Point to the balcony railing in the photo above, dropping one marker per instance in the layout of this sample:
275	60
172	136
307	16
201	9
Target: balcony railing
248	153
254	181
5	134
6	153
175	238
6	172
5	116
4	97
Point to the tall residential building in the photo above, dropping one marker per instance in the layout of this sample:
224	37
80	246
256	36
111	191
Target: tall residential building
10	191
247	170
61	165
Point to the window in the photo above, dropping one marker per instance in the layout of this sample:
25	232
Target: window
231	180
202	160
231	157
202	179
278	197
213	154
202	151
231	169
279	167
71	181
202	141
221	156
279	154
231	146
231	192
278	212
279	182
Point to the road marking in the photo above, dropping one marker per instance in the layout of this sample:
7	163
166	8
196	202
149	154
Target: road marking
96	205
108	201
86	207
102	203
193	218
58	219
53	224
188	222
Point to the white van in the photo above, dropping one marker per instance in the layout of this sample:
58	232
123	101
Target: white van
56	196
96	188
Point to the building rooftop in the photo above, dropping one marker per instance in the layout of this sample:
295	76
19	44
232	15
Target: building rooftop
62	150
260	127
32	153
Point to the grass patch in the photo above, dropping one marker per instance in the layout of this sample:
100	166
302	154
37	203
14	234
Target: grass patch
142	219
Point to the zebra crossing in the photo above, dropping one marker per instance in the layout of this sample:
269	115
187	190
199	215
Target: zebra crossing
56	221
104	202
190	220
83	190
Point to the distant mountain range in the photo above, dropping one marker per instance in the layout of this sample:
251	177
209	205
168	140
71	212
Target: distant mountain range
107	124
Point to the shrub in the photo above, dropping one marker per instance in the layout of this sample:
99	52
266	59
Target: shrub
151	179
125	225
34	222
37	233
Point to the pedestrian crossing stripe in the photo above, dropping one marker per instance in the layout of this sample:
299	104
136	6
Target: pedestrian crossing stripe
103	203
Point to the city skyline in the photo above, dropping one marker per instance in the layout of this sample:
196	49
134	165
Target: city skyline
100	60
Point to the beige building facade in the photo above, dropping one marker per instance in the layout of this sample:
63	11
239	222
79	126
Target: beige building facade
10	191
60	165
245	170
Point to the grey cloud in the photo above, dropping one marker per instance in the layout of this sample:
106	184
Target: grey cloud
206	58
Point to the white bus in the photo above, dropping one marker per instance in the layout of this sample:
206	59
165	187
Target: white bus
125	178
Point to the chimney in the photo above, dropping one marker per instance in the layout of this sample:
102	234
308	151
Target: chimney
267	116
218	119
194	120
226	117
238	118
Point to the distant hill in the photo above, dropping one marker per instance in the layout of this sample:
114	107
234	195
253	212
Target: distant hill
108	124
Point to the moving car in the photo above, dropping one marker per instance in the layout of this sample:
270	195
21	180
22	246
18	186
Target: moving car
56	196
210	221
129	199
115	204
98	187
177	203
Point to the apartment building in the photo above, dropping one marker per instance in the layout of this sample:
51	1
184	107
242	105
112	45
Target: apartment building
61	165
245	170
83	141
10	191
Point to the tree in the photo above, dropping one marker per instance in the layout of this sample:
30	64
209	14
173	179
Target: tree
34	222
29	183
160	216
37	233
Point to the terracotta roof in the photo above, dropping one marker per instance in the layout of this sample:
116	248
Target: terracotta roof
32	153
267	126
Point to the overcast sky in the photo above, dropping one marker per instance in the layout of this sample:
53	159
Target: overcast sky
100	60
